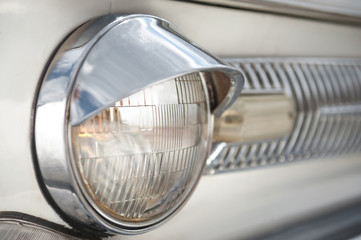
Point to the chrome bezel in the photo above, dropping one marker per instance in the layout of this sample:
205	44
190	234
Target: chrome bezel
57	172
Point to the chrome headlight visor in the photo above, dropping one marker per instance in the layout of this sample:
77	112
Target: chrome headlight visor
104	74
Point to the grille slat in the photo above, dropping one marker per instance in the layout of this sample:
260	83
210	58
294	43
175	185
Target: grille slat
300	106
263	77
327	96
275	81
314	106
308	109
355	134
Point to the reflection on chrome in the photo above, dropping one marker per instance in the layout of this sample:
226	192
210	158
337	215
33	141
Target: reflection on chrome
101	90
327	121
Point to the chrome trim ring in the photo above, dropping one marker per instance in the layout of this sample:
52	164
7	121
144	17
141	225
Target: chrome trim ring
150	50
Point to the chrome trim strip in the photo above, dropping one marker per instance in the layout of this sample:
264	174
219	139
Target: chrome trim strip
344	222
328	102
339	11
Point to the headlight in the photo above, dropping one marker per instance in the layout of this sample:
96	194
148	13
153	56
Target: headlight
123	122
141	156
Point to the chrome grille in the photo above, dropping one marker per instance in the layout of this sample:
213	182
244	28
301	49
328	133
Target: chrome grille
327	93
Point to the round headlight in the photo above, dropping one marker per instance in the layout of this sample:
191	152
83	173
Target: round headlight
139	158
123	122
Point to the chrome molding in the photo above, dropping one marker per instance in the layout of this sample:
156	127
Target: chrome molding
327	93
340	11
103	61
342	222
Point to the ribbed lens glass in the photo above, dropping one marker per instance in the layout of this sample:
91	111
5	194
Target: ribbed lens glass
140	158
22	230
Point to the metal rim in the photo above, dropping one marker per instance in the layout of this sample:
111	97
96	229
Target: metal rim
51	138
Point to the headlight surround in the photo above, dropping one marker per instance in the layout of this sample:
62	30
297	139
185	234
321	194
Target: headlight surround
102	63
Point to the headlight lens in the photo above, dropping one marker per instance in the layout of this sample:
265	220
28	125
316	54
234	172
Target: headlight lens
141	157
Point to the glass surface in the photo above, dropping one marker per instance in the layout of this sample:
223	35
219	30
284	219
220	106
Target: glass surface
20	230
142	156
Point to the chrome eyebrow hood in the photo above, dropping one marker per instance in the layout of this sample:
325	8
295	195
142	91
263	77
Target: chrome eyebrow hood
138	50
